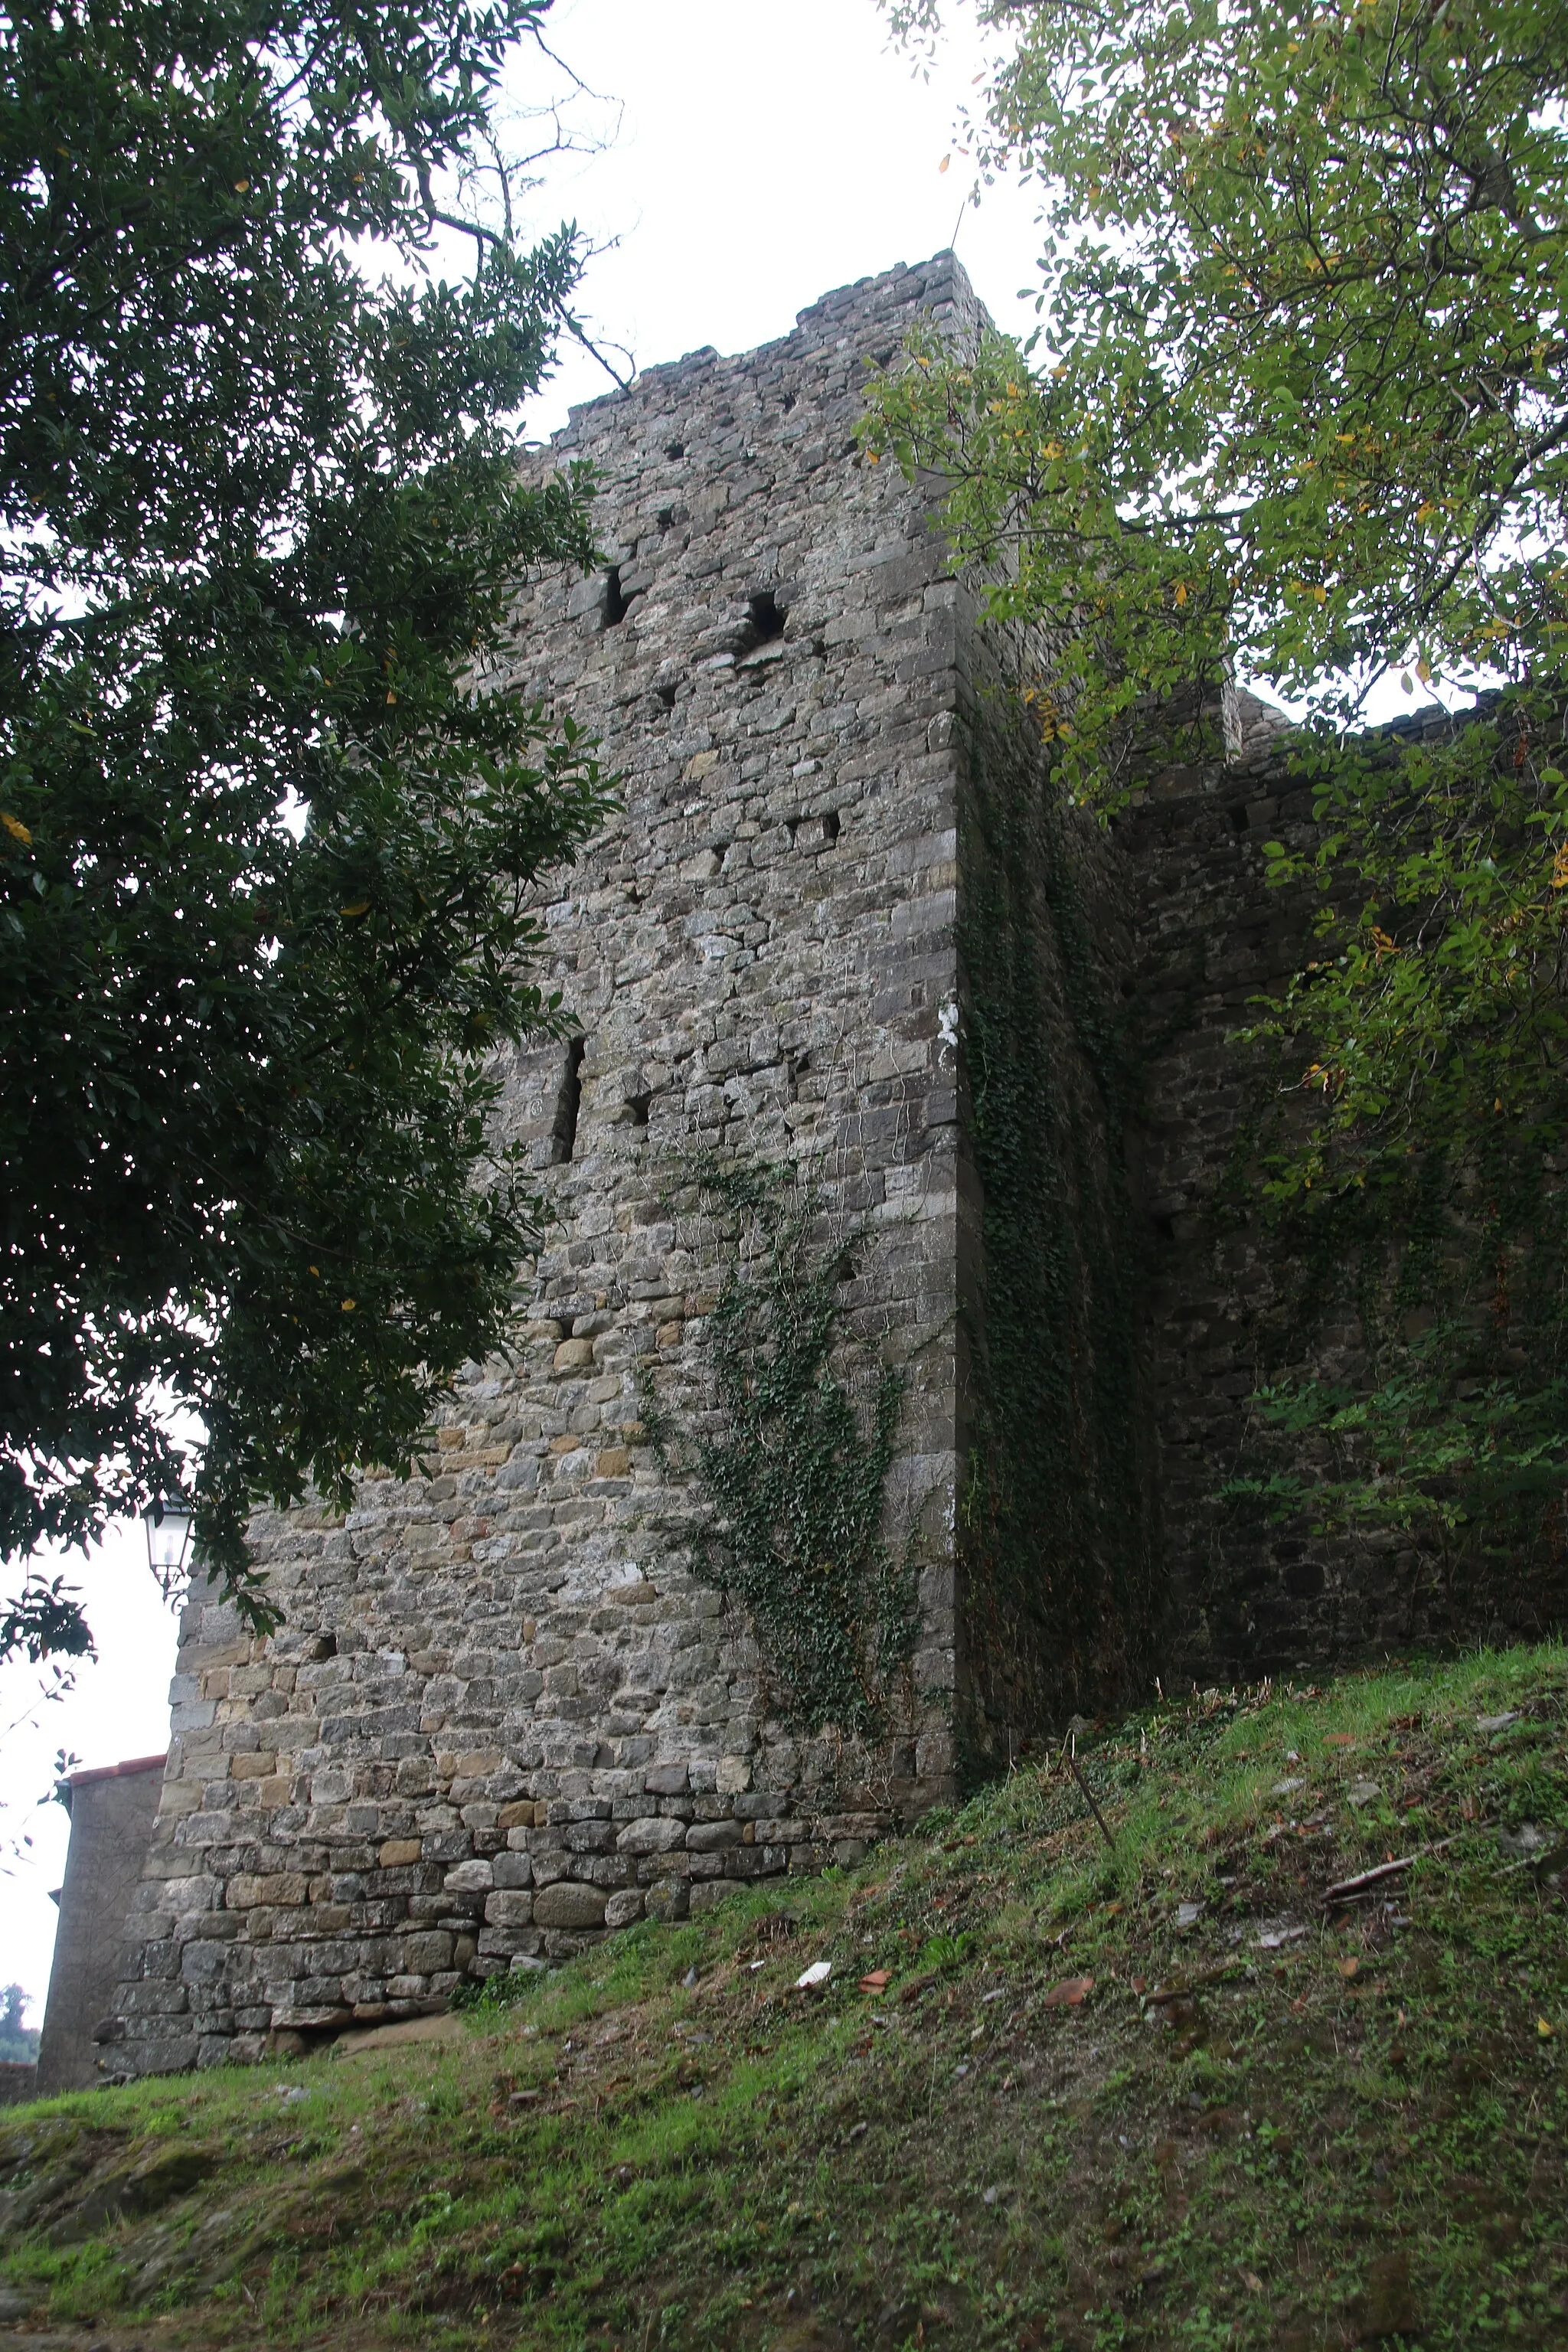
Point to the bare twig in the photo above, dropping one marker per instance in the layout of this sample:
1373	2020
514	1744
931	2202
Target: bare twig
1385	1870
1089	1799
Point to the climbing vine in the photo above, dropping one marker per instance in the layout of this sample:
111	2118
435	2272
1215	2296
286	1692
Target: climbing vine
791	1462
1055	1547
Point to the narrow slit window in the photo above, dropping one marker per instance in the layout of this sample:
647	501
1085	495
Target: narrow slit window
569	1102
617	603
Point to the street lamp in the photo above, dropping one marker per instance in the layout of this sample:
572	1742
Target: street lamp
167	1520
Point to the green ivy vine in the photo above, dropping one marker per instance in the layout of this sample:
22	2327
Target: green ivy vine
1060	1594
791	1464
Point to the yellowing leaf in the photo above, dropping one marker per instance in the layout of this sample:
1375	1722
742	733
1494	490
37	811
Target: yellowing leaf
945	163
1545	2030
348	1307
359	907
1559	868
17	829
1424	670
242	187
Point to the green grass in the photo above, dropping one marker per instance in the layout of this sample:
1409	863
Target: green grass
1353	2134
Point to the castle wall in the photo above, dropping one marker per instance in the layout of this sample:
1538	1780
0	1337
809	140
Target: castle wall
1060	1592
112	1808
842	926
1229	1305
505	1713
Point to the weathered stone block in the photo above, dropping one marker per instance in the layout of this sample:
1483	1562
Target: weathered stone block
569	1905
653	1835
428	1951
712	1837
667	1899
509	1907
473	1877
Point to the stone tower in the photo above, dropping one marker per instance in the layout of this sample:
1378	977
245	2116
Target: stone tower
504	1713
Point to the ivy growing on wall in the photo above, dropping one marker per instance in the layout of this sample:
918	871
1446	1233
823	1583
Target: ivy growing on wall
1061	1598
791	1463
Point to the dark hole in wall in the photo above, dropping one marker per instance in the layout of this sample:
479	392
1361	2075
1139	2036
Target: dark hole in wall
638	1106
830	825
1237	819
665	690
789	401
569	1101
323	1645
1166	1228
795	1067
617	605
765	617
665	518
675	449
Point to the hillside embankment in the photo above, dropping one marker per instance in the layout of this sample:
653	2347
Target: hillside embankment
1249	2031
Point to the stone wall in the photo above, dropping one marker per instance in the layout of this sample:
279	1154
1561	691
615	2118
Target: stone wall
505	1712
1227	1306
112	1808
1059	1599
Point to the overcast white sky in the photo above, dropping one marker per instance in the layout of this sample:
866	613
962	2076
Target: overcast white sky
759	158
763	158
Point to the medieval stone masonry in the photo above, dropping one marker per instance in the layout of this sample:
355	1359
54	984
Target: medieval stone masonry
841	925
504	1714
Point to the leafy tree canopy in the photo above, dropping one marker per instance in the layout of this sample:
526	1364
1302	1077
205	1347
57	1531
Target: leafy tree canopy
1302	390
270	806
18	2041
1298	402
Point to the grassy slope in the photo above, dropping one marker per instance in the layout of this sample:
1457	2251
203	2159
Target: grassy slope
1355	2135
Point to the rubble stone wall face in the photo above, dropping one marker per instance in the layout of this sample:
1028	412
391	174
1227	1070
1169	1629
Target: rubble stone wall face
504	1715
1222	1296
